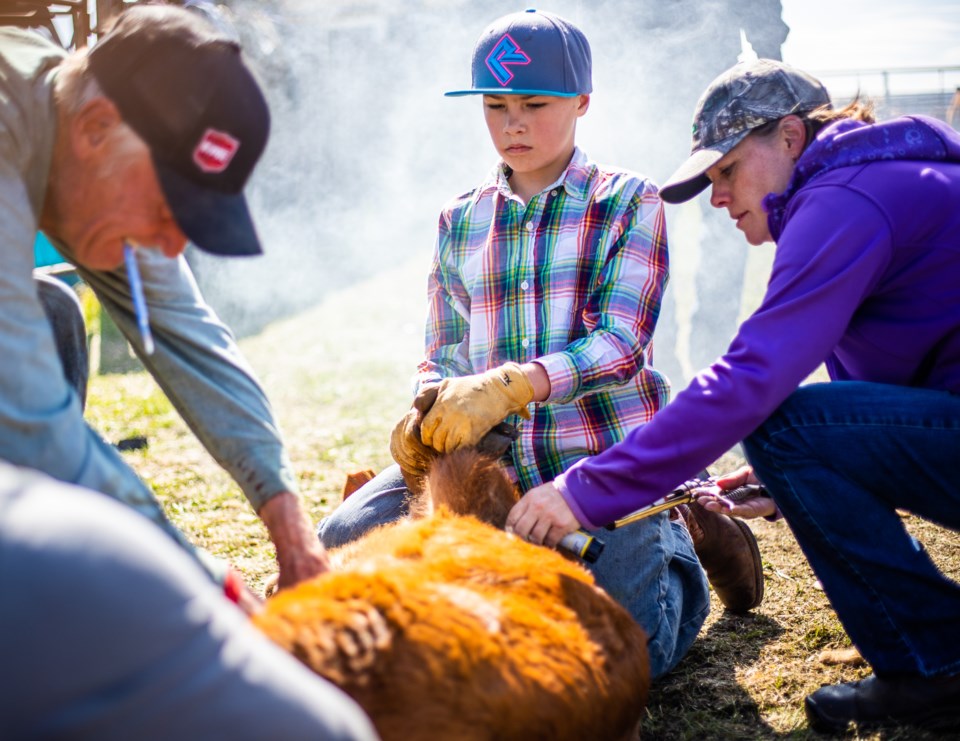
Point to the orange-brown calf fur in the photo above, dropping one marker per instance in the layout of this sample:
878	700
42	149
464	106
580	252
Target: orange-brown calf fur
443	627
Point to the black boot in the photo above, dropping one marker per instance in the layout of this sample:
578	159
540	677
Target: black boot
932	702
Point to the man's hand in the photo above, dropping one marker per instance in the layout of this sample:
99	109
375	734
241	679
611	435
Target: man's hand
542	516
299	553
758	506
466	408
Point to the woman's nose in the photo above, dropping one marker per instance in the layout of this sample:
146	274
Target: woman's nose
718	196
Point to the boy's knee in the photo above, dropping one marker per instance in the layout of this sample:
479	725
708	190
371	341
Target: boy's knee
332	532
378	502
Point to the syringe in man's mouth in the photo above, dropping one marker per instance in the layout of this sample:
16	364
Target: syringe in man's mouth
136	292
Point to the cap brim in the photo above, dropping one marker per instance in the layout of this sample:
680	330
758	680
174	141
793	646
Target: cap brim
508	91
219	223
689	180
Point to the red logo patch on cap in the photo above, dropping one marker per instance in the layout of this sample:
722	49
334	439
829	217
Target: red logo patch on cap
215	150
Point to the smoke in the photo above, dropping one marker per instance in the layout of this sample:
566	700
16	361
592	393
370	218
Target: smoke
365	149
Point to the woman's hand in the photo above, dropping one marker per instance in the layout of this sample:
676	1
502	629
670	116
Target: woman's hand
752	507
542	516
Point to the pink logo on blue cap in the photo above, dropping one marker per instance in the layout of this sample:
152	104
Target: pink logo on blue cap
506	52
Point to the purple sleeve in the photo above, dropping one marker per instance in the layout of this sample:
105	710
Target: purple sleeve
831	254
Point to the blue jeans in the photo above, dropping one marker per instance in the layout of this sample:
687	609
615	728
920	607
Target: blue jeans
62	309
649	567
840	459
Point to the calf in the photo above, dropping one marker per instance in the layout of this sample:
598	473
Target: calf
442	626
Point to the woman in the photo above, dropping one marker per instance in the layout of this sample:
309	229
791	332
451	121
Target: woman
866	278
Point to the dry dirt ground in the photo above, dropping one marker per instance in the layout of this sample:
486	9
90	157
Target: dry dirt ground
338	377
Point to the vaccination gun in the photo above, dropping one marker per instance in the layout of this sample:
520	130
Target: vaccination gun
588	547
687	492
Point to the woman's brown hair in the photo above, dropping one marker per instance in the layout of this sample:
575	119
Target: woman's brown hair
818	118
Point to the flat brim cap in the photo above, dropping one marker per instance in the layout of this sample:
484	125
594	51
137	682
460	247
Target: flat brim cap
531	53
184	89
741	99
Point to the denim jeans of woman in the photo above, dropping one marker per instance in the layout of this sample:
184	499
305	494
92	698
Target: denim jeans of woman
840	459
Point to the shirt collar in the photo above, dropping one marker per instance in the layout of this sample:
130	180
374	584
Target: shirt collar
575	179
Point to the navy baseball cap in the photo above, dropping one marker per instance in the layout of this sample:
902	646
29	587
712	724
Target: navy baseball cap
183	87
531	53
746	96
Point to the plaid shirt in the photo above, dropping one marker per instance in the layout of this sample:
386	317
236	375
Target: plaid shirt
572	280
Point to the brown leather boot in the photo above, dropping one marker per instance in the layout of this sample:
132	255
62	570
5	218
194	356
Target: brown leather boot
729	553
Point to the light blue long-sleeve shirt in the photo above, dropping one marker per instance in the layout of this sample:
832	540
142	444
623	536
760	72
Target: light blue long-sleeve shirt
196	363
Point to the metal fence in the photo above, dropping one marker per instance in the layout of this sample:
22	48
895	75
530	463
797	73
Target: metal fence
934	91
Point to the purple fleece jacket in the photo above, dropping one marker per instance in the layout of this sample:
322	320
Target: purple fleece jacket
866	278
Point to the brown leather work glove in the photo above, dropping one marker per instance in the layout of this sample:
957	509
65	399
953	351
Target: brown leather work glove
405	445
466	408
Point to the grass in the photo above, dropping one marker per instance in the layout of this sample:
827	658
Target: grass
338	378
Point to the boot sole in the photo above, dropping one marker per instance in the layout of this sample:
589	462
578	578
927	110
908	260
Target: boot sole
755	550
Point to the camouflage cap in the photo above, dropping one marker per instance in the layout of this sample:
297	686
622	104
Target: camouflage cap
744	97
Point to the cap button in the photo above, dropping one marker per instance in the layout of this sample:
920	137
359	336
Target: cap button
531	10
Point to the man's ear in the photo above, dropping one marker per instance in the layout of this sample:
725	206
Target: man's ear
794	135
92	126
583	104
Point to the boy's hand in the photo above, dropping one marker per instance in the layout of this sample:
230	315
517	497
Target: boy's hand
466	408
406	447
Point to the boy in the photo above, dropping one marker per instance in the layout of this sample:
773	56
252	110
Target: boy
545	287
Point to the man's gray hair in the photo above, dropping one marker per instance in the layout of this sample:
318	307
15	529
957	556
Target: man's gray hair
76	86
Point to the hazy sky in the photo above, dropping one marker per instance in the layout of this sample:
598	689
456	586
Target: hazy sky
844	34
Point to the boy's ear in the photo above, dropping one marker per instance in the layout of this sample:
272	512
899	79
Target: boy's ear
92	125
583	104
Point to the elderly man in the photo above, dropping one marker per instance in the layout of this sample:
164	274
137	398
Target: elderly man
146	141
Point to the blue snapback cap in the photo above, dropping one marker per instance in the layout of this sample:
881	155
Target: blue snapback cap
531	53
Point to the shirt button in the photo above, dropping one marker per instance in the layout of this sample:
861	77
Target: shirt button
525	343
529	226
524	285
553	192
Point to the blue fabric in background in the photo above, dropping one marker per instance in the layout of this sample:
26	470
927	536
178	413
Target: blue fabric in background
45	253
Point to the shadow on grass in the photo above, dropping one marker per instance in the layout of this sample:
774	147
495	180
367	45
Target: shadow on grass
701	698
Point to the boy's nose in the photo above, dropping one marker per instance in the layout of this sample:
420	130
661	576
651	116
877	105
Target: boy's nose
514	125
